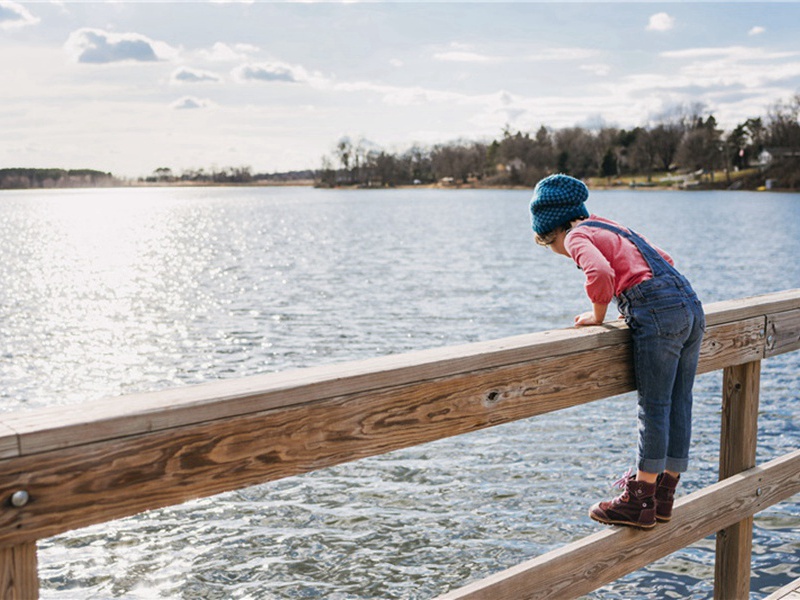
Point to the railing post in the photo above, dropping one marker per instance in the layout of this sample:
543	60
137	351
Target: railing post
19	576
738	439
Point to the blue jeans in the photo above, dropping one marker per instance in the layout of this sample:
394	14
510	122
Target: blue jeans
667	324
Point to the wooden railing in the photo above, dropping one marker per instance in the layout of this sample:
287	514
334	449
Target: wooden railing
66	468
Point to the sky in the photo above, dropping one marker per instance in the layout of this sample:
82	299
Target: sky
129	87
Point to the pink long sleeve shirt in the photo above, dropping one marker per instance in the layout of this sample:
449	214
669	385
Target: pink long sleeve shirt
610	262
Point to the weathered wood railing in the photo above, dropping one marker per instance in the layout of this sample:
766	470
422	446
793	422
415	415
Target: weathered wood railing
65	468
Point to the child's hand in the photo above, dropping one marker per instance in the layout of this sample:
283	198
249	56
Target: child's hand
586	318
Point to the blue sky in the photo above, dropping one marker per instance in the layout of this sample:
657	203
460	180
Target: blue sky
129	87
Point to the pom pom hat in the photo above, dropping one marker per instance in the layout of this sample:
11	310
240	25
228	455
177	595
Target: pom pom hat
557	199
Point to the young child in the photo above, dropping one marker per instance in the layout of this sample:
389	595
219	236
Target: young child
666	321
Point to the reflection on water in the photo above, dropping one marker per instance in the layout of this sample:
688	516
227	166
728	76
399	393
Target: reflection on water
107	292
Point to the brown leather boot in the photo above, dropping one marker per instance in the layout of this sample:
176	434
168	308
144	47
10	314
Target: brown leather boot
665	495
636	507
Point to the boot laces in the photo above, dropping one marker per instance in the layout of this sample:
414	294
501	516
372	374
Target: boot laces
622	483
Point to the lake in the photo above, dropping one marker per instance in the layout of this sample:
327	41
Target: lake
109	292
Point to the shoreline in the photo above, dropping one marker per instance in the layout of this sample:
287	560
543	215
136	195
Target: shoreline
591	183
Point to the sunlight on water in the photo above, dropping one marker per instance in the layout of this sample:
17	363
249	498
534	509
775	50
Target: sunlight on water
107	292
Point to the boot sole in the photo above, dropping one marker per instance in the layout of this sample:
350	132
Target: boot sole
624	523
664	519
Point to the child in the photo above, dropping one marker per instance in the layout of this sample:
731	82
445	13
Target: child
666	321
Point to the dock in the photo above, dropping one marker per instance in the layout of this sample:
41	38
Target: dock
63	468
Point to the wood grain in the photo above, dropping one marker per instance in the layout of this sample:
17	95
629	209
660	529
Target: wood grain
753	306
49	429
124	476
9	444
783	332
738	441
121	477
19	578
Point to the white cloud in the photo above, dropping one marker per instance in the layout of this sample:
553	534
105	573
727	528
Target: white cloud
398	95
187	75
270	72
598	69
95	46
660	22
547	54
561	54
396	62
221	52
740	53
190	102
732	66
757	30
14	15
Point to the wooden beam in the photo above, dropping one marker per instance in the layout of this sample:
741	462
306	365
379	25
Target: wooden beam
591	562
76	486
19	577
50	429
95	461
738	440
732	344
783	332
130	474
9	444
753	306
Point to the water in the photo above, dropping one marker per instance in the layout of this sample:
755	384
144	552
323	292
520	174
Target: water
107	292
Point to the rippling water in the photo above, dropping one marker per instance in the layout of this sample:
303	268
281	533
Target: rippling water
107	292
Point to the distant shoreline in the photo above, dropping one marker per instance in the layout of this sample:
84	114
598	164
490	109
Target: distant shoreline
593	183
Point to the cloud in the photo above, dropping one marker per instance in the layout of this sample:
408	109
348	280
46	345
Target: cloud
187	75
660	22
222	52
599	69
561	54
757	30
270	72
395	95
14	16
95	46
738	53
190	103
462	54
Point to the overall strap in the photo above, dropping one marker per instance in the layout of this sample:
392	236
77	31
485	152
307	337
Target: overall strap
658	266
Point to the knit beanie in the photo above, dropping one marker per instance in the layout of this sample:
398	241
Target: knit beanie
557	199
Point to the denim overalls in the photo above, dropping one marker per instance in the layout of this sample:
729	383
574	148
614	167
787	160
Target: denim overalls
667	323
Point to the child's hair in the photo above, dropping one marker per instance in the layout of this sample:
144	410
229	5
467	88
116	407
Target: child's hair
550	237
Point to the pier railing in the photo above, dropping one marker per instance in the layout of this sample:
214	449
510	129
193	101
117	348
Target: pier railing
66	468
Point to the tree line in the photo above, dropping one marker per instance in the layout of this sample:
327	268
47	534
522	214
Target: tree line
225	175
686	139
22	178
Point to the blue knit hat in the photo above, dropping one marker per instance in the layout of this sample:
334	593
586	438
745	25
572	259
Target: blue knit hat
557	199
